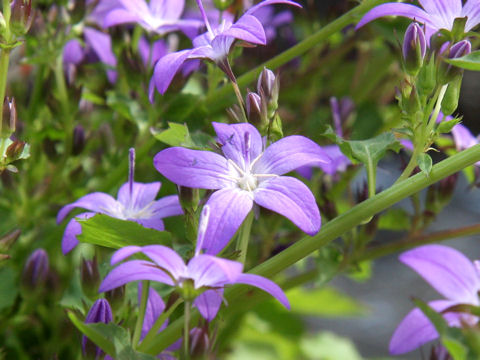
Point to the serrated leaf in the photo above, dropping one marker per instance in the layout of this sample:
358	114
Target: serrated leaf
468	62
425	163
114	233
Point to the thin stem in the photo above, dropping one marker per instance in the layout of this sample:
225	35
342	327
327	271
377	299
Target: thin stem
244	237
436	112
152	333
416	240
412	164
4	61
371	179
186	331
333	229
141	313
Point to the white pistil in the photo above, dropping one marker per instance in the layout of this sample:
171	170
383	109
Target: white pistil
246	180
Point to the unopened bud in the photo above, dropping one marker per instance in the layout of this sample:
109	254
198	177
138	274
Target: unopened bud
36	270
452	96
9	117
9	239
90	277
116	297
200	343
14	150
222	5
189	198
414	48
426	80
268	87
78	140
100	312
447	72
253	103
22	16
411	104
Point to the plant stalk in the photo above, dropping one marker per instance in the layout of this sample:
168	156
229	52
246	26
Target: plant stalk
141	313
244	237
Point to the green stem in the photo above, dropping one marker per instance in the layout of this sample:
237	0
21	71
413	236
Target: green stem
371	178
186	331
152	333
141	313
416	240
335	228
412	164
238	95
244	237
4	61
436	112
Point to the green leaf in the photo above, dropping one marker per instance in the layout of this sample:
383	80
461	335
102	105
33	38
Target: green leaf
179	135
128	108
468	62
455	348
435	318
394	219
323	302
446	126
425	163
114	233
329	346
95	334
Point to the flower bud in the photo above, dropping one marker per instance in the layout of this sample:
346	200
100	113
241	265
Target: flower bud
253	103
36	270
447	72
268	87
200	342
9	117
78	140
222	5
90	278
9	239
14	150
116	297
411	104
452	96
100	312
414	48
426	80
22	16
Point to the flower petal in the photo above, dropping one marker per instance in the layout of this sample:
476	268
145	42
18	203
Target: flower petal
134	270
339	161
101	44
270	2
155	308
289	154
208	303
142	194
248	28
472	11
152	223
119	17
463	137
445	269
291	198
69	240
228	208
416	329
73	52
212	271
97	202
167	206
233	139
396	9
193	168
266	285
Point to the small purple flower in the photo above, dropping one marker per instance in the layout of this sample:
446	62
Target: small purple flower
436	14
248	173
202	280
158	16
215	44
98	47
135	202
452	275
414	48
35	271
150	54
100	312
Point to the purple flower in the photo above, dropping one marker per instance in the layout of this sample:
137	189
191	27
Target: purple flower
100	312
98	47
452	275
135	202
155	308
339	163
215	44
246	174
271	20
202	280
436	14
36	269
150	54
159	16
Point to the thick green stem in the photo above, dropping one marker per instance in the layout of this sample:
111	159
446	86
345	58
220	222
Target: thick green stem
335	228
244	237
371	178
416	240
141	313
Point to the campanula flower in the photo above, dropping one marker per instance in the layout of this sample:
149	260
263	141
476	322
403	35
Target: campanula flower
135	202
247	173
100	312
36	270
450	273
215	44
202	280
436	14
158	16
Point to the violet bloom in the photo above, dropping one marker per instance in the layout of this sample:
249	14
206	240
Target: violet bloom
202	280
98	47
450	273
215	44
36	269
158	16
100	312
436	14
247	173
135	202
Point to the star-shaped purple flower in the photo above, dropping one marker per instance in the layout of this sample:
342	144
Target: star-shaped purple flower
135	201
247	173
436	14
159	16
202	280
452	275
215	44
